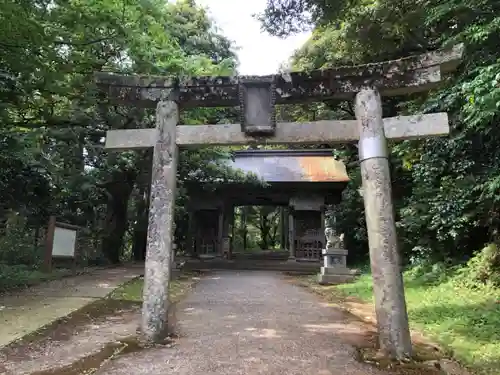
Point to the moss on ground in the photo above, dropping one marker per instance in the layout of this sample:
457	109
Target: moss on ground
132	291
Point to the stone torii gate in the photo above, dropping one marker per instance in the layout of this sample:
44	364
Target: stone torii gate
256	97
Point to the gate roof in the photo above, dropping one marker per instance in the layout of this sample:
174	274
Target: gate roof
275	166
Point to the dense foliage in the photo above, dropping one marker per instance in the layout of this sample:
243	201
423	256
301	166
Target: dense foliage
446	189
53	120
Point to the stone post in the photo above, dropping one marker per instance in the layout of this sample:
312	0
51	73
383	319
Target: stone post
390	304
173	264
291	233
323	225
161	223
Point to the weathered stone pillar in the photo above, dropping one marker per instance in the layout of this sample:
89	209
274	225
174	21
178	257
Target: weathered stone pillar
161	223
291	233
390	304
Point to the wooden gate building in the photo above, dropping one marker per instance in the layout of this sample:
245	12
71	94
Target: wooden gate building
303	181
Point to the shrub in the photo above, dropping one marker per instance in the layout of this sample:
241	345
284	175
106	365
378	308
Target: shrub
482	269
18	276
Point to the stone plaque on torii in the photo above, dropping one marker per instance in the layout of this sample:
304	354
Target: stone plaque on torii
256	97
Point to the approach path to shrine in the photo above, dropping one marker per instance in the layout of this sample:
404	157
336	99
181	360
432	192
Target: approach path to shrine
252	323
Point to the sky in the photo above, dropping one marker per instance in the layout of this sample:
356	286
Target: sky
259	53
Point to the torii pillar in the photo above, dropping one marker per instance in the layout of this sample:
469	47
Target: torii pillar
161	222
388	289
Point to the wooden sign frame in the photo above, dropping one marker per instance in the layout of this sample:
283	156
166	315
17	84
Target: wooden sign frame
49	244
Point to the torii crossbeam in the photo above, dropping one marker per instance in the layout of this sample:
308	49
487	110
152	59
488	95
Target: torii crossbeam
257	97
397	77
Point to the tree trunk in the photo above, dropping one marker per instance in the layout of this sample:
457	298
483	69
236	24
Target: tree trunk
140	235
118	191
264	230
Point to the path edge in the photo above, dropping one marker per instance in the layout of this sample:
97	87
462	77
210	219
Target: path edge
448	364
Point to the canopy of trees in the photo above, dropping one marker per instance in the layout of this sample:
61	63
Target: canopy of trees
53	120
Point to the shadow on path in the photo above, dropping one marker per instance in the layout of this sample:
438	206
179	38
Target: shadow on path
253	323
25	311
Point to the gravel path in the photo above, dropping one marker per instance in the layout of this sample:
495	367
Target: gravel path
252	323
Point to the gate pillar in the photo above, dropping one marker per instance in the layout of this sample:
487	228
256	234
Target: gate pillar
390	304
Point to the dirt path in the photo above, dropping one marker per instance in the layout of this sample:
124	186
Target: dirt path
28	310
252	323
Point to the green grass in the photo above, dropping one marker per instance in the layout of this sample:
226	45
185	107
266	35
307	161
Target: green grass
15	277
132	291
464	321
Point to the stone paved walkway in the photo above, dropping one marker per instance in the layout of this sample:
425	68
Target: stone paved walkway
246	323
27	310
